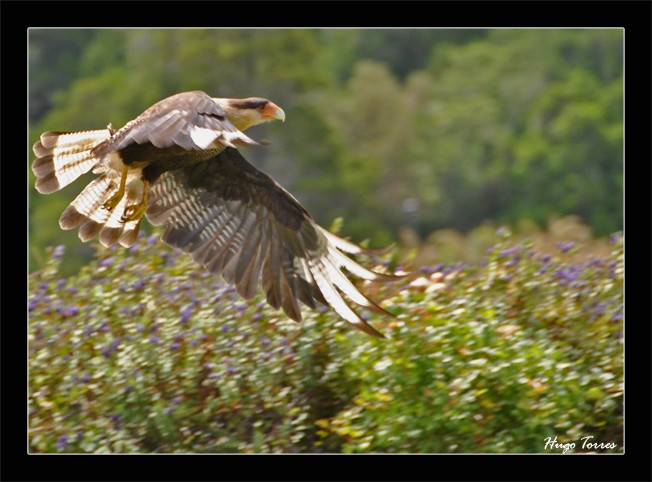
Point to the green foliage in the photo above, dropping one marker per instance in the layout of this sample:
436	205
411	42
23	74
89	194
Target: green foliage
142	351
495	360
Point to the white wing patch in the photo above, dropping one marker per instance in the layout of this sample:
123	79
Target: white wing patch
203	137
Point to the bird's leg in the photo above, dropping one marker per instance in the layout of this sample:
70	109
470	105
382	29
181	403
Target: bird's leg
136	211
113	201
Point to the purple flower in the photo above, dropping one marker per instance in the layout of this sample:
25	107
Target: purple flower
154	339
175	345
185	314
115	419
62	443
507	252
60	284
70	311
598	308
105	263
513	260
566	246
58	252
566	274
138	285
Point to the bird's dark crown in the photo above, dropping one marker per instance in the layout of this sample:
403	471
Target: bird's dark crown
250	103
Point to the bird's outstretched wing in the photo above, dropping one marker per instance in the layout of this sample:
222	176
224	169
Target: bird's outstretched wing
237	221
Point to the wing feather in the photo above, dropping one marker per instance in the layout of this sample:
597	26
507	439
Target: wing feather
237	221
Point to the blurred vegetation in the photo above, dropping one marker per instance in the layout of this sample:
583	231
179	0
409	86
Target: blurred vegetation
143	351
427	129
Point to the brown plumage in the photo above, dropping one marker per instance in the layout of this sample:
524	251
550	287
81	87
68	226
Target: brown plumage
178	164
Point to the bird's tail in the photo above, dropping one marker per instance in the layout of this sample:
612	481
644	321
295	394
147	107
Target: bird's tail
88	212
64	156
61	157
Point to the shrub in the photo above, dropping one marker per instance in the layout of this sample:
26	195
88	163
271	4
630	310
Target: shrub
142	351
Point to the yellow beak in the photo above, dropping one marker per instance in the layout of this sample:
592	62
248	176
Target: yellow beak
272	111
280	115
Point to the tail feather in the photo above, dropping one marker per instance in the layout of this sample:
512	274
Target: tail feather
87	211
64	156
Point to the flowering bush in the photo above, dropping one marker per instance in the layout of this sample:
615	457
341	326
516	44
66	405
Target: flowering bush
142	351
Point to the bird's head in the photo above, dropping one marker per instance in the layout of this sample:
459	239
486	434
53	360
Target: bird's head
244	113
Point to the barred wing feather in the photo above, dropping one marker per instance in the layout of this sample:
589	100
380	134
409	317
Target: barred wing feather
237	221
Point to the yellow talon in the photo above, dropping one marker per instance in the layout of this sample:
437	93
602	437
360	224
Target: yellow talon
133	212
136	211
113	201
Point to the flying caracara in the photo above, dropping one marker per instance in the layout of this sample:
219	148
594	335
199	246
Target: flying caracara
178	164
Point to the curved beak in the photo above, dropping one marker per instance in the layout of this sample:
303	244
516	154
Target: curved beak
280	115
272	111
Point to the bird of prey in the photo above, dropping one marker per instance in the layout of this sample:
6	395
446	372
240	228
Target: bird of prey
178	164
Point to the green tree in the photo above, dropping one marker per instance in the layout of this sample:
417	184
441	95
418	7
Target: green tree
571	151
